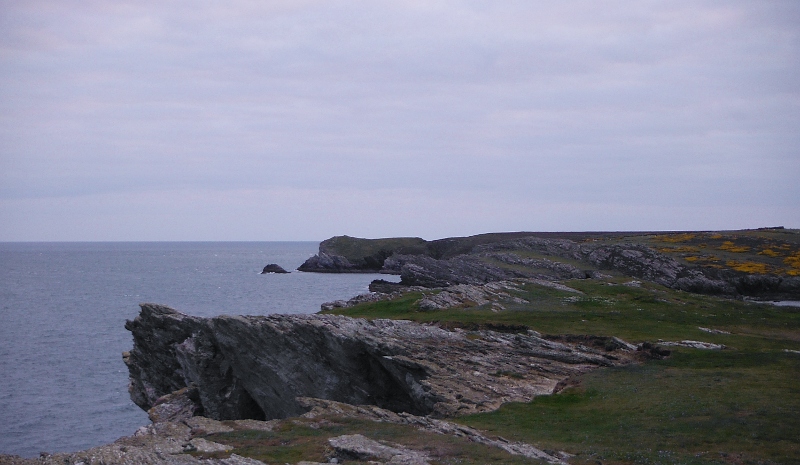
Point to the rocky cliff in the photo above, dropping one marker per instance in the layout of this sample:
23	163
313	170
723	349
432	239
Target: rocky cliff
256	367
760	272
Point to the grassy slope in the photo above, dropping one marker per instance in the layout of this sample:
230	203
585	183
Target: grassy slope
302	439
740	405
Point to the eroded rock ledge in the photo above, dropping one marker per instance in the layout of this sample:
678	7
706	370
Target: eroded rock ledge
257	366
503	256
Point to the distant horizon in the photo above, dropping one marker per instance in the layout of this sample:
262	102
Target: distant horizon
665	231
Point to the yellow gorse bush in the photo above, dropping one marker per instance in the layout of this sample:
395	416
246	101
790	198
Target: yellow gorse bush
729	246
675	237
748	267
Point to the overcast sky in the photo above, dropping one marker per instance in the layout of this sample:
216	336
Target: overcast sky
299	120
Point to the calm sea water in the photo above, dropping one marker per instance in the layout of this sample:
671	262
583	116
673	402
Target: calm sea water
63	306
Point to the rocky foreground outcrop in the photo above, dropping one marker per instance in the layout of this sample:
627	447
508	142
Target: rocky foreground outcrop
197	440
257	366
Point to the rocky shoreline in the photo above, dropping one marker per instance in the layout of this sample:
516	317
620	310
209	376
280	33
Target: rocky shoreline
247	367
201	379
196	376
504	256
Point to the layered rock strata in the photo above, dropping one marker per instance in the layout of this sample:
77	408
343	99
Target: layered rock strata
194	440
257	366
496	257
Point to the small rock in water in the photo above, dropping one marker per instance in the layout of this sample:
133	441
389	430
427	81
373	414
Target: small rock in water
273	268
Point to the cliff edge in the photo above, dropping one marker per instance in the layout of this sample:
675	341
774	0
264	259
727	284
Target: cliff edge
255	367
763	264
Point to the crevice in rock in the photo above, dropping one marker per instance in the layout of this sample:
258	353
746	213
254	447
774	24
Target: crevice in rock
249	408
389	392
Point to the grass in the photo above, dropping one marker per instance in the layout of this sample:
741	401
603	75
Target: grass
611	308
695	407
736	406
302	439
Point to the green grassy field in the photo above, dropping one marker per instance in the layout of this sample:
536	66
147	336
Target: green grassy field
734	406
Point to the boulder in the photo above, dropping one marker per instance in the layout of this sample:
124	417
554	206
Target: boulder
273	268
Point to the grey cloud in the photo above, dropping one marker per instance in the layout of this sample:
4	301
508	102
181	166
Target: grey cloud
635	103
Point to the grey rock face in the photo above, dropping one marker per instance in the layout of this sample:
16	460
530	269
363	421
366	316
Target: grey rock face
630	259
321	408
325	263
358	447
482	259
256	367
421	270
471	295
273	268
161	443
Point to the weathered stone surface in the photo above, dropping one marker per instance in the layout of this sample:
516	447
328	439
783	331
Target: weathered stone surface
273	268
163	443
344	254
325	263
495	293
693	344
421	270
359	447
255	367
466	295
179	405
203	425
493	257
205	446
321	407
361	298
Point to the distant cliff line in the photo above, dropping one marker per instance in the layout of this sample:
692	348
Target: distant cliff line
762	263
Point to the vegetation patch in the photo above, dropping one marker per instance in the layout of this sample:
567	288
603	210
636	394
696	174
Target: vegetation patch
793	262
674	238
733	248
304	439
748	267
696	407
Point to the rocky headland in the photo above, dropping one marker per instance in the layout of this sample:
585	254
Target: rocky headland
199	376
255	367
763	264
219	390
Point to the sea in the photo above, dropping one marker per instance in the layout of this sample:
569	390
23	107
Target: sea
63	307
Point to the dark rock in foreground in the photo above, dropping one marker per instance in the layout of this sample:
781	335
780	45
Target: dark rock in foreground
273	268
256	366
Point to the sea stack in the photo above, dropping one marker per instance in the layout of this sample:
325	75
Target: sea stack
273	268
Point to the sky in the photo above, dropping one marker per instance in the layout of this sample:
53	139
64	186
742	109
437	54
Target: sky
300	120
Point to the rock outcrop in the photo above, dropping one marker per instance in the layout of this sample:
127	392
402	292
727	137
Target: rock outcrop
273	268
197	441
256	366
344	254
496	257
320	408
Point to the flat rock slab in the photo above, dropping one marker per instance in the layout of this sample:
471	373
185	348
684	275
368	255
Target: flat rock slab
358	447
